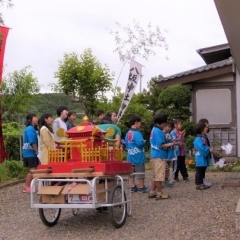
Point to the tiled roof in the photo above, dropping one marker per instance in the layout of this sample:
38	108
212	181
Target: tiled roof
208	67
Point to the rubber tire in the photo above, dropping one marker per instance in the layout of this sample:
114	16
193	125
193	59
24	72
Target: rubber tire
111	209
44	220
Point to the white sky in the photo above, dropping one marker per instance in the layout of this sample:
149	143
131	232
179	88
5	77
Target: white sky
43	30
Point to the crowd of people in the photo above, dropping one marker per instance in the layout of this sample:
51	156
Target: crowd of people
167	141
42	134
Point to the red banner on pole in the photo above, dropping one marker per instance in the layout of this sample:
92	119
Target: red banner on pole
3	39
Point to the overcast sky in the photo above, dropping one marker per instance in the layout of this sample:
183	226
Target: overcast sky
43	30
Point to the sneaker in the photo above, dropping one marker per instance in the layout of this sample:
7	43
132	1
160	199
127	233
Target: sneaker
26	190
176	179
152	195
202	187
168	183
143	190
209	184
186	179
134	189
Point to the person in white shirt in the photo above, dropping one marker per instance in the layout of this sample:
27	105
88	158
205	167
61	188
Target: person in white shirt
60	122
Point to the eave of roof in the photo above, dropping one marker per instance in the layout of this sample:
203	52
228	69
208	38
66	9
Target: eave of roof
213	48
215	53
208	67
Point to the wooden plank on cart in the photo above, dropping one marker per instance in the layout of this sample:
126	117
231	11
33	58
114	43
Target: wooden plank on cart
41	171
83	170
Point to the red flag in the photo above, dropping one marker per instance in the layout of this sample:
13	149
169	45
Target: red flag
3	38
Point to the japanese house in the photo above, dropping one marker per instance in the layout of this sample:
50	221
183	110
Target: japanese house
214	94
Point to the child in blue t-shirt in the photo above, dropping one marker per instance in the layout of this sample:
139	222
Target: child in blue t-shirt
179	165
136	154
171	153
30	148
202	156
158	156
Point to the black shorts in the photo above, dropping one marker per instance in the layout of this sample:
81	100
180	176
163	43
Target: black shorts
31	162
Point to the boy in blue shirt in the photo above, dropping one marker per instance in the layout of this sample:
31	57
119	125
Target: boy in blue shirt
136	154
158	156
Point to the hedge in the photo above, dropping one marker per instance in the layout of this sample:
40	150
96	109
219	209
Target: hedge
11	135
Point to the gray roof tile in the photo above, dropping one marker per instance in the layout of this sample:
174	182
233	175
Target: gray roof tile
208	67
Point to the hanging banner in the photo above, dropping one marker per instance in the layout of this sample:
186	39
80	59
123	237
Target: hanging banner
3	38
135	73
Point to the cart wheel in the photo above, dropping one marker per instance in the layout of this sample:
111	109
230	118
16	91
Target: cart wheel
49	216
75	211
117	213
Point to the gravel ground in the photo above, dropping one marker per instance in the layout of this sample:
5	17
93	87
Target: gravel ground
189	214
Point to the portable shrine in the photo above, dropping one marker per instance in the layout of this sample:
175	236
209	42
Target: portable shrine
86	146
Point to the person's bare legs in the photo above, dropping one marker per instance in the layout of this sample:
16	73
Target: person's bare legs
159	186
167	174
153	187
132	182
29	178
141	182
156	185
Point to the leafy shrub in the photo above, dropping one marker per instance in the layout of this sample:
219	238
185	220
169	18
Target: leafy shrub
11	133
11	169
3	173
236	169
189	142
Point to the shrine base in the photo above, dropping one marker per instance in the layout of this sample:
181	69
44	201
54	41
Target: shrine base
107	168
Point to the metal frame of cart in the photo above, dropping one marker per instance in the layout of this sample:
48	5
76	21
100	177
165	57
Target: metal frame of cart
119	206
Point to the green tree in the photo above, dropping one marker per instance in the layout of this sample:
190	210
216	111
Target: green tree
8	3
84	79
18	90
175	101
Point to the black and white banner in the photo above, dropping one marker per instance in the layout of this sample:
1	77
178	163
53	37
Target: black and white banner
135	73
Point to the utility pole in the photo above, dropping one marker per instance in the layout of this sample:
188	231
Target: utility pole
140	84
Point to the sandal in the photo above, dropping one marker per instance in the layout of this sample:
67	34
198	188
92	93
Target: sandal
162	196
202	187
152	195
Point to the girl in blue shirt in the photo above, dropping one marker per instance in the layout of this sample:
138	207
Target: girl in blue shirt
30	148
205	121
202	155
